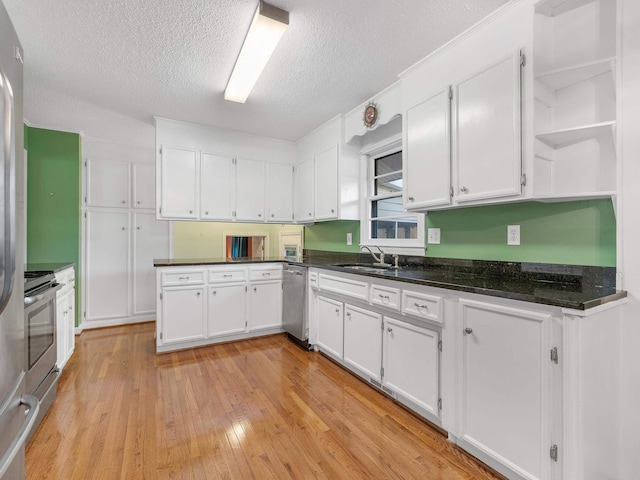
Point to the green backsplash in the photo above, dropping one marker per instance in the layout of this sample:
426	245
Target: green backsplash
332	236
53	198
577	233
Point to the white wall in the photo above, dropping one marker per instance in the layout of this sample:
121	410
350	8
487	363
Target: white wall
630	226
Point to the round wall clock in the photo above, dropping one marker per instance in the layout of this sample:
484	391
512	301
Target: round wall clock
370	114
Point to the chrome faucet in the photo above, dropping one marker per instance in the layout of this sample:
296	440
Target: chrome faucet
379	261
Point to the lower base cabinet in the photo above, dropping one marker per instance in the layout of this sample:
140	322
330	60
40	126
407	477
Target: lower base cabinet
411	364
183	314
203	305
504	385
330	326
363	341
65	316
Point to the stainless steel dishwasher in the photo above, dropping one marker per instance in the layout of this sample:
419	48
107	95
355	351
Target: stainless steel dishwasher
294	304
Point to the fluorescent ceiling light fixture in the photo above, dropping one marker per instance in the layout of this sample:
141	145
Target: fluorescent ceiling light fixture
267	27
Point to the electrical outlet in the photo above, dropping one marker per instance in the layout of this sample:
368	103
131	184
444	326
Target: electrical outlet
349	238
513	234
433	236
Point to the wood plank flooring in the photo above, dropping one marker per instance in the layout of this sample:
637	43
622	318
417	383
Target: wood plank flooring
255	409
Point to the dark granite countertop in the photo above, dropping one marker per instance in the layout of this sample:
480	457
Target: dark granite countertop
48	267
567	286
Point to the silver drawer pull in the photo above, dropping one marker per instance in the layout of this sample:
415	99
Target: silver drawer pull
266	274
227	276
198	294
183	279
389	329
337	310
382	297
426	307
468	331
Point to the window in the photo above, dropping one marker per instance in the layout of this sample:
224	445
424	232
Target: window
387	223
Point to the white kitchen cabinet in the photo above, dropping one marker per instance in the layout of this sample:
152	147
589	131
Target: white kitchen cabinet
280	192
250	190
108	183
65	316
188	305
107	264
504	385
144	190
326	184
575	99
242	301
305	184
179	183
363	341
217	181
265	299
330	326
150	241
411	361
487	132
427	153
226	309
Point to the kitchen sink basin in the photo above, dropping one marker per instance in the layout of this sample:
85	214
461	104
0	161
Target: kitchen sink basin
363	268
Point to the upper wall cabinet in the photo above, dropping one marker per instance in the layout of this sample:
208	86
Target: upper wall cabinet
197	180
144	181
109	183
575	99
327	185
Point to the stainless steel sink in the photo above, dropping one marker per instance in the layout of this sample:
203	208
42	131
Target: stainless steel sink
363	268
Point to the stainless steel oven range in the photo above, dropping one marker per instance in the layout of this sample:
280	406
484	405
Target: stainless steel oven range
40	329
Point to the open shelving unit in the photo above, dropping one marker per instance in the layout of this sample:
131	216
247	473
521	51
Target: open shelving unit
575	99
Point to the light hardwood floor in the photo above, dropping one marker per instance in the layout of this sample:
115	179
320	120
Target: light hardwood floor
255	409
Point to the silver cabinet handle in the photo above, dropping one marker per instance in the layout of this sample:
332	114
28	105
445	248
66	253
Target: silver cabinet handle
410	199
138	202
124	202
309	213
206	213
468	331
337	310
190	211
33	407
266	274
349	314
255	289
227	276
214	292
464	189
333	211
426	307
389	329
259	214
137	228
383	296
197	294
272	215
183	279
123	228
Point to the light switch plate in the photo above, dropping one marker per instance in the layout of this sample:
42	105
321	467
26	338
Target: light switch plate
433	236
349	238
513	234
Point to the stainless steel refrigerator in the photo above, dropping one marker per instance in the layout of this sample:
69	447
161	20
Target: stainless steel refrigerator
17	410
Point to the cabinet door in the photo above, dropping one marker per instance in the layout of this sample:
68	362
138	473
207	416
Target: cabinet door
411	363
488	127
305	191
326	180
250	190
62	321
183	317
70	333
150	240
265	305
107	264
179	183
428	153
280	192
363	341
504	377
108	183
227	309
144	182
217	187
330	326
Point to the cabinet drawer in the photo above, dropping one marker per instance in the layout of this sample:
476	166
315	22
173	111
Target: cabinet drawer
185	277
421	305
344	286
265	273
313	279
385	296
223	275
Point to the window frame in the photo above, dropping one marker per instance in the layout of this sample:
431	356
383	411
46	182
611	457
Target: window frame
413	246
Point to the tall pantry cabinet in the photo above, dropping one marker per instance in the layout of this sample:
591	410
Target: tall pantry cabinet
121	236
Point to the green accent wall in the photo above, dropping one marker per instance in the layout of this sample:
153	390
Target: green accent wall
53	198
332	236
575	233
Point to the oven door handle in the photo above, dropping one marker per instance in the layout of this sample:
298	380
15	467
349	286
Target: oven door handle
42	296
33	406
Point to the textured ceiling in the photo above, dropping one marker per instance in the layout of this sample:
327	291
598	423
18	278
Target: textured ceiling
106	67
